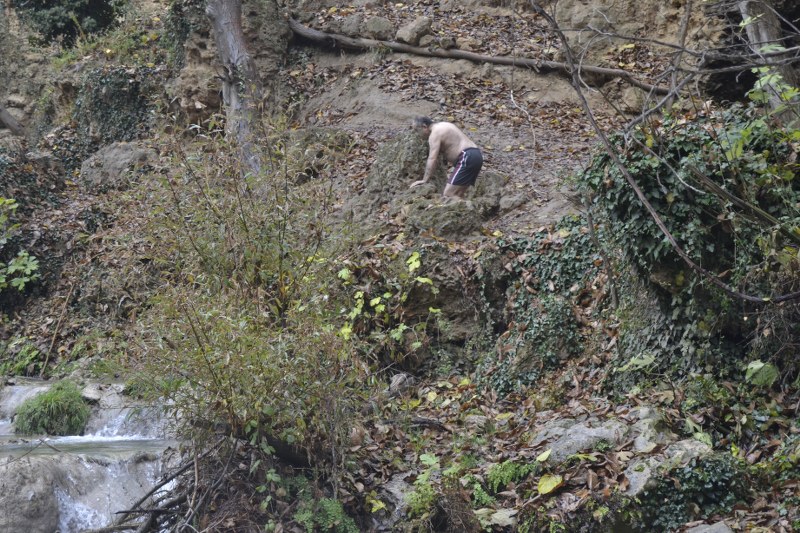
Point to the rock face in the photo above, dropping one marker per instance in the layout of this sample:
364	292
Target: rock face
659	20
568	437
111	167
399	163
195	93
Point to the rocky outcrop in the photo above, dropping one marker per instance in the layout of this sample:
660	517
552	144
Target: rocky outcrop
66	492
379	28
112	167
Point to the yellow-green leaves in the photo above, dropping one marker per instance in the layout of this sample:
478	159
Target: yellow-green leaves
413	262
549	482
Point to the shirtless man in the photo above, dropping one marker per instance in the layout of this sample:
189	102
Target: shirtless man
445	138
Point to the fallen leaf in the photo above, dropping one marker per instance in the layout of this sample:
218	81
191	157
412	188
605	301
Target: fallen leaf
549	482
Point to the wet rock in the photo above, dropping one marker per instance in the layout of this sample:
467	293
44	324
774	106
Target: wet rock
27	500
92	393
412	32
110	167
379	28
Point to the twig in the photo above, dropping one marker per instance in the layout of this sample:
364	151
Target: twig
171	477
193	510
58	327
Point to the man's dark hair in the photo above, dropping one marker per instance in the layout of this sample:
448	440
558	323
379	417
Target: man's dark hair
422	122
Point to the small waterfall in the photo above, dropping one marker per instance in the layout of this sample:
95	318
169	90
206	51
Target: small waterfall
75	516
70	484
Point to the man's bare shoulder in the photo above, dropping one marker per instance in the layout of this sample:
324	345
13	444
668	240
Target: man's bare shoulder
443	127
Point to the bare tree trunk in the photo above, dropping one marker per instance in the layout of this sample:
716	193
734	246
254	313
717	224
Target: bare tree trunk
11	123
241	90
763	29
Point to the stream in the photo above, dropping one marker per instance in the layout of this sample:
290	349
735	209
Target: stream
77	483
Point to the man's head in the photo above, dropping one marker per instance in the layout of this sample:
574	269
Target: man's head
422	125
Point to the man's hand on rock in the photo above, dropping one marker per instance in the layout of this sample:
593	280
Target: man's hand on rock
418	183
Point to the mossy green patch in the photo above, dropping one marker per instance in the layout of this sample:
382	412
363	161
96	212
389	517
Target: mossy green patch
59	411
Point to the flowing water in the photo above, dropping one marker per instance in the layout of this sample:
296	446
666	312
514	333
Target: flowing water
77	483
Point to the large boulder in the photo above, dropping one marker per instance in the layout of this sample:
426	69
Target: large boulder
27	499
568	437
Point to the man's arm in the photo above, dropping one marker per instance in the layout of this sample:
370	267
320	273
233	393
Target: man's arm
434	144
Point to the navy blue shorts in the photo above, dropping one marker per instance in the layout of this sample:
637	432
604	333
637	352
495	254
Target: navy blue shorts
468	165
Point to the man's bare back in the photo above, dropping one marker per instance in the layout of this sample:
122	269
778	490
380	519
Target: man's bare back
444	138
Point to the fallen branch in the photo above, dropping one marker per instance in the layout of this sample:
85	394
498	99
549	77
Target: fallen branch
350	43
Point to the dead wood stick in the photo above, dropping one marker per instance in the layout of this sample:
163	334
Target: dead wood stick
341	41
58	328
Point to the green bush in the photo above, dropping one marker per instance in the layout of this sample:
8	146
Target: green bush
325	515
23	269
245	331
69	19
689	169
59	411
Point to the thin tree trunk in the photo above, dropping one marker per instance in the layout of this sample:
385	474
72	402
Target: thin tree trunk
241	90
763	29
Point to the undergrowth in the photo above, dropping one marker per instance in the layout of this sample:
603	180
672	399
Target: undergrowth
548	274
